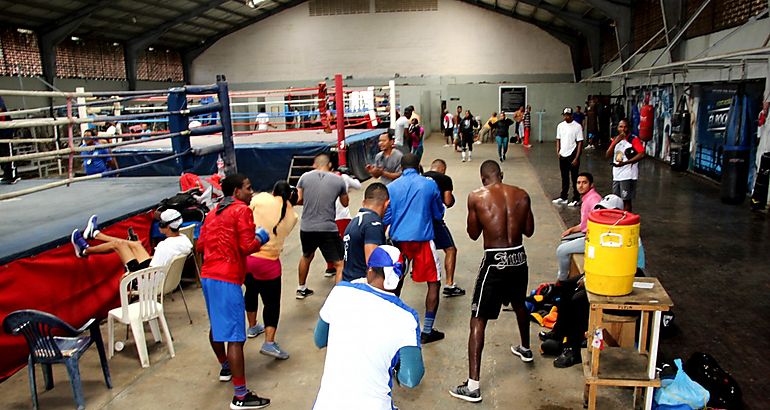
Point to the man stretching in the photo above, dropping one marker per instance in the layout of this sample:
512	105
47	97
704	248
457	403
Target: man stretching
502	212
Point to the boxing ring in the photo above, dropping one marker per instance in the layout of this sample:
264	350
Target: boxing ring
193	129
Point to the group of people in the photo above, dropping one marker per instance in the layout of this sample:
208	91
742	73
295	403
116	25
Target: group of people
409	134
462	130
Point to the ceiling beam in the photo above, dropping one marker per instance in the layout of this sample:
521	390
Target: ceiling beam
620	12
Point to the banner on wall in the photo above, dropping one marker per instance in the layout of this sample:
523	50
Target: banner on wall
662	100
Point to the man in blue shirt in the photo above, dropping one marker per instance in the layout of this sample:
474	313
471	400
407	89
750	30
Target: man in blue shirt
93	164
415	202
365	232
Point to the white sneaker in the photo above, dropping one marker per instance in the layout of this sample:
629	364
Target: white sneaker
463	155
470	157
559	201
477	143
447	145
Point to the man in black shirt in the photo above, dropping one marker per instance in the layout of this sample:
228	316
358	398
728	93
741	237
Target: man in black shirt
467	125
501	135
442	238
365	232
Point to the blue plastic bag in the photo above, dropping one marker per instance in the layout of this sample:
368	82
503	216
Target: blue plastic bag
681	391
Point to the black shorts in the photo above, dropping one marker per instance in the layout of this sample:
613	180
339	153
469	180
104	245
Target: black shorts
448	132
502	279
329	242
442	238
133	265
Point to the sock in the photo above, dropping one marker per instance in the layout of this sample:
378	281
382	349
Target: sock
302	287
239	387
473	385
427	325
452	286
96	232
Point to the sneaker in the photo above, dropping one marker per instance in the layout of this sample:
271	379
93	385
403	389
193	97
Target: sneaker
462	392
508	307
329	272
302	294
132	236
524	354
91	228
503	157
272	349
79	243
249	401
10	181
225	375
549	335
450	291
447	145
568	358
574	203
559	201
433	336
255	330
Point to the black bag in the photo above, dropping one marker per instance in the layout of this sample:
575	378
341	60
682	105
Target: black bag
724	390
186	204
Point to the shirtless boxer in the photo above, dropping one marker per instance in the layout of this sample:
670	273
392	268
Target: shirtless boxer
502	212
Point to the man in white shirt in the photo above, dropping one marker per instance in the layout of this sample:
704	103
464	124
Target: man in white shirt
569	146
132	253
263	120
369	334
401	125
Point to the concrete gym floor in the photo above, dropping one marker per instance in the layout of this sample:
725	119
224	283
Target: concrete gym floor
190	379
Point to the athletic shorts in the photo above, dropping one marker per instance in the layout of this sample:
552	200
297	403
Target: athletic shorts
225	306
626	190
133	265
502	280
442	238
329	243
426	265
448	132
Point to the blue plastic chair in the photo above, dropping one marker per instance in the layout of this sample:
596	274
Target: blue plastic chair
51	340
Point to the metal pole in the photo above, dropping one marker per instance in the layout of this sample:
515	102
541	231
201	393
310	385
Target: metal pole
177	100
540	125
682	31
392	90
231	165
339	103
623	63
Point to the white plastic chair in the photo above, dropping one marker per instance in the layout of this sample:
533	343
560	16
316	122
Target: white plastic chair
174	279
148	308
189	232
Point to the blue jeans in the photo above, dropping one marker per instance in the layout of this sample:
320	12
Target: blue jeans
502	145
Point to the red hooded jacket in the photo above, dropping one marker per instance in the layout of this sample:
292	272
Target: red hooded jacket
226	238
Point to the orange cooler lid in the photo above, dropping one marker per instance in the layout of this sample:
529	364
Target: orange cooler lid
613	217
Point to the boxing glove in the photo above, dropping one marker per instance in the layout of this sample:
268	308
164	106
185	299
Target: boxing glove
262	235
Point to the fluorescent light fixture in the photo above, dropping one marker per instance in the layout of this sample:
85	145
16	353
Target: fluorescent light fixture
254	3
151	48
25	31
74	38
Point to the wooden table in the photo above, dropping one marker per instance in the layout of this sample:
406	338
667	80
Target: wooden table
615	366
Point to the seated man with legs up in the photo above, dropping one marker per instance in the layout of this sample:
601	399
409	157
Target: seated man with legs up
132	252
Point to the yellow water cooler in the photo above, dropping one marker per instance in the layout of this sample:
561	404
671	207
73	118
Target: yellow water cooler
612	248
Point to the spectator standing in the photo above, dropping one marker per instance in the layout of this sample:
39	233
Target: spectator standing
467	126
626	150
387	162
448	124
263	121
502	127
569	146
518	118
401	125
416	135
527	125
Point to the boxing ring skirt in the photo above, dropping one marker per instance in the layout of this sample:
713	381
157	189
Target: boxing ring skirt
264	157
38	267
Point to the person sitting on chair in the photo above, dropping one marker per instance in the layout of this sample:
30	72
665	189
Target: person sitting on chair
132	252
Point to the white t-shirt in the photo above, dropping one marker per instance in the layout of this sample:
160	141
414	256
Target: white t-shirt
401	125
170	248
367	327
343	212
626	172
262	120
569	133
449	120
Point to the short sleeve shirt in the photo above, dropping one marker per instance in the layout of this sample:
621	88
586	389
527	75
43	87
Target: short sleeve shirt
443	181
568	133
630	171
262	121
320	190
401	125
365	229
390	164
170	248
367	328
95	165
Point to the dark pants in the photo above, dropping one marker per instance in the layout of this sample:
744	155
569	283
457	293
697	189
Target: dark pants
568	172
9	170
572	321
270	290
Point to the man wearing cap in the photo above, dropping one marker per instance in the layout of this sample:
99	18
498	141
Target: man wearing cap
573	239
368	332
132	252
365	232
569	146
415	202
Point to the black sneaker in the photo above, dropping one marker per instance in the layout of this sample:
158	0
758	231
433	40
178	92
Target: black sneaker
450	291
431	337
568	357
524	354
462	392
225	375
250	401
302	294
543	335
329	272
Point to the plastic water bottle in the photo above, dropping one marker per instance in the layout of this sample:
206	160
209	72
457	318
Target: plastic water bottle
220	166
119	346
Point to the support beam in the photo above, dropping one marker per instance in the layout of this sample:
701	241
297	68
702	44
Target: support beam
673	12
620	13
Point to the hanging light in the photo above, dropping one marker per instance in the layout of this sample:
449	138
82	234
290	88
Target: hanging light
254	3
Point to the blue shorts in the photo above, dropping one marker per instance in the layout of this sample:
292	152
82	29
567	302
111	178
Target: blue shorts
442	238
225	306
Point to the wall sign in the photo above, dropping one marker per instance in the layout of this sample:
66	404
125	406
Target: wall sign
510	98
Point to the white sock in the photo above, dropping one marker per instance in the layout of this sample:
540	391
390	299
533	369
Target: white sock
473	385
96	232
302	287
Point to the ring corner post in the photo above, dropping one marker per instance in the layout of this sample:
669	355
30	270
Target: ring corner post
339	103
223	94
177	123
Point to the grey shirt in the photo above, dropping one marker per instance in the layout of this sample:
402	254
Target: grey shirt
320	190
390	164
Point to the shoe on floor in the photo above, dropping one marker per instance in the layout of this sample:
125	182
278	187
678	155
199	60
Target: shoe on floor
574	203
329	272
250	401
272	349
433	336
549	335
551	347
225	375
559	201
524	354
79	243
91	228
462	392
302	294
9	181
568	357
255	330
450	291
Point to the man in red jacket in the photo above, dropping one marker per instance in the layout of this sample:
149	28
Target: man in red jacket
228	235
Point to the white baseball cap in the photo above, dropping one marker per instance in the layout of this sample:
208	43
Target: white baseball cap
610	201
171	218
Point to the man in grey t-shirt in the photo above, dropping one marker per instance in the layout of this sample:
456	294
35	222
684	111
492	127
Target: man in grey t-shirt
318	191
387	162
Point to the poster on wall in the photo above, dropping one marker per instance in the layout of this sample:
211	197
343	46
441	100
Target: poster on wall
662	100
510	98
